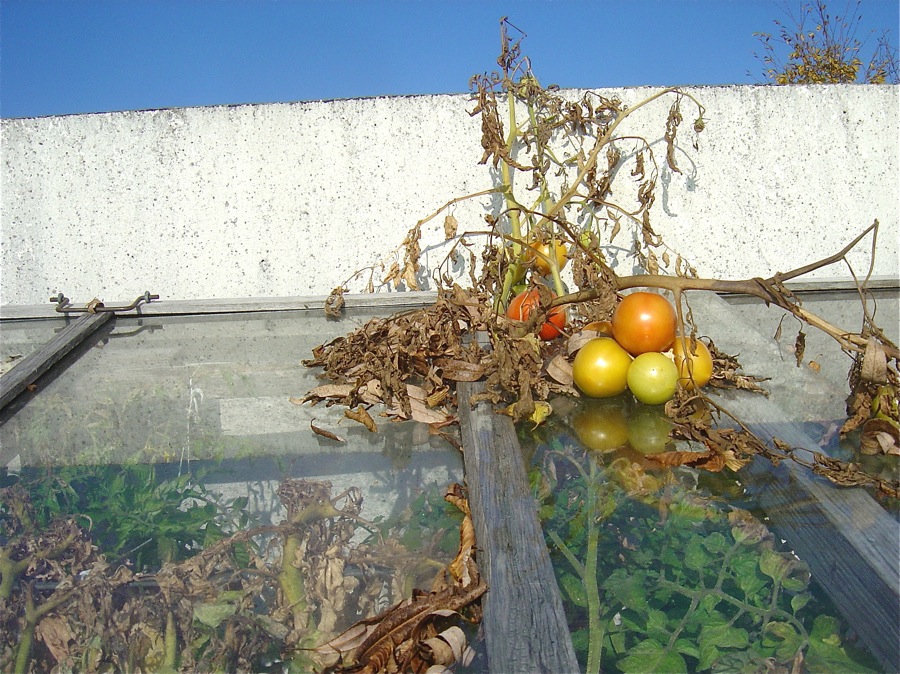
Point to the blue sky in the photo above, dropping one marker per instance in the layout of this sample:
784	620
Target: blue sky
76	56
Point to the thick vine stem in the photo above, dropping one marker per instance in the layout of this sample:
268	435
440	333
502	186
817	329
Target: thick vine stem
766	289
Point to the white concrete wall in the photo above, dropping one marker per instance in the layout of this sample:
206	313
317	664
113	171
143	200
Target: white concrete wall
290	199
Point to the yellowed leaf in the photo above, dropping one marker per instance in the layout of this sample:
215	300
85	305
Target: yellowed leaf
450	226
362	416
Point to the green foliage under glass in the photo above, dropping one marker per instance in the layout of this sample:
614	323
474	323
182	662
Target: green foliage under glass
658	577
133	515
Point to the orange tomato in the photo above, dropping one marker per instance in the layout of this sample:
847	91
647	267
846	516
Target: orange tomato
521	306
695	369
600	368
644	322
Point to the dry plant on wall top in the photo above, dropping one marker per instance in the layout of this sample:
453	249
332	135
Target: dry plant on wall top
556	160
823	49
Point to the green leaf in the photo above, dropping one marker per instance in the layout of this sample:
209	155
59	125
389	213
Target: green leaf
799	601
212	615
650	656
773	564
784	638
825	650
716	543
687	647
695	555
630	590
657	624
716	637
574	589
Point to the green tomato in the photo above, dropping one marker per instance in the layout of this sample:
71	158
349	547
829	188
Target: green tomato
652	378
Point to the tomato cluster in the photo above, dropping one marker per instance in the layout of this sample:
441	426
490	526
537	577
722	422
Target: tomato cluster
642	329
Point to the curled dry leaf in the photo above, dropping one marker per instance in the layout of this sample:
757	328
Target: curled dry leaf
362	416
880	436
334	304
325	433
874	363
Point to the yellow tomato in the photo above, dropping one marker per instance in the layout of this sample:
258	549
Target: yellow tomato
600	368
539	254
695	370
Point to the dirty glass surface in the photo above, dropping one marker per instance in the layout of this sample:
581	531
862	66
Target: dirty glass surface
165	436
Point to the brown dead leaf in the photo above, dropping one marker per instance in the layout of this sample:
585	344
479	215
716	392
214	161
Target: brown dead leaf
324	392
325	433
55	633
449	647
874	363
334	304
450	227
454	369
362	416
560	370
880	436
800	347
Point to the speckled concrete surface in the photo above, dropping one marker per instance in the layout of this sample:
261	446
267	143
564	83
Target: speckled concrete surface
291	199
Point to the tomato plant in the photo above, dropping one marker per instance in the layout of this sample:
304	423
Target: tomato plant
521	306
600	368
652	378
695	369
602	425
539	254
644	322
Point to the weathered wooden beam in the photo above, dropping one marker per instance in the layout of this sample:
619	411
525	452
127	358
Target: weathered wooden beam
851	543
524	623
27	371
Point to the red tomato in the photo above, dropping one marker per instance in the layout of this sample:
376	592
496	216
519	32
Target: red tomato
644	322
521	306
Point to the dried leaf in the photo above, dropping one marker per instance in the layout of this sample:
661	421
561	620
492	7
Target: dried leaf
454	369
324	392
334	304
874	363
54	631
800	347
560	369
362	416
880	436
450	226
348	640
325	433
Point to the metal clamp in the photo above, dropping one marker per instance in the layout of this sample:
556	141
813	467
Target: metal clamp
95	306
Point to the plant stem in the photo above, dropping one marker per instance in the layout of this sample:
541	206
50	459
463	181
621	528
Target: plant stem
591	588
